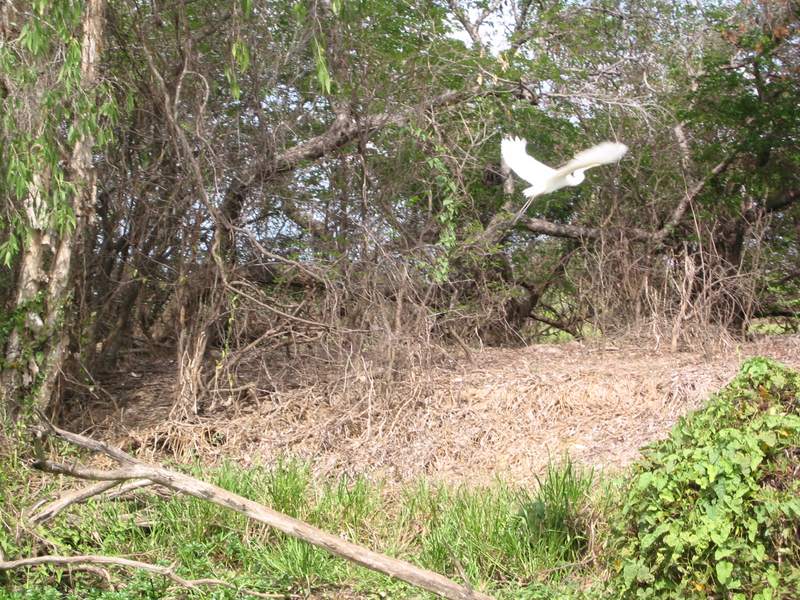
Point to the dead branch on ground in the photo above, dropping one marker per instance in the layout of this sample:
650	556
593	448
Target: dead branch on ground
96	559
82	495
130	469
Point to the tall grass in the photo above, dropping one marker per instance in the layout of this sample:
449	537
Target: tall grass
555	516
489	538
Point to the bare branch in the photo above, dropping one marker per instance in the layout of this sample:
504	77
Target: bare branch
563	230
72	497
344	131
179	482
697	189
557	325
686	154
97	559
84	442
472	28
77	496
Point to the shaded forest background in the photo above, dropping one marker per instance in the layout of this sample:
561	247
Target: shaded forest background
283	187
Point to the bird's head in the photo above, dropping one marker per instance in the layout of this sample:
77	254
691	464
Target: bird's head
575	178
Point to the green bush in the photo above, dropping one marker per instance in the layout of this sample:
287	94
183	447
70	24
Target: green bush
714	511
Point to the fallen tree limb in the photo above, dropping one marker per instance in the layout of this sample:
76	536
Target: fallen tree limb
96	559
82	495
133	469
132	486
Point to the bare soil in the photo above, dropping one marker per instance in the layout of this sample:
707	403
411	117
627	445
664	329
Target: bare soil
501	413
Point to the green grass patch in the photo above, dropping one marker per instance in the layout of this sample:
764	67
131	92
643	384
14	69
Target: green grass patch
556	517
775	326
489	535
711	512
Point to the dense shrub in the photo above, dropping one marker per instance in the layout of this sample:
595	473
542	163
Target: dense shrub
714	510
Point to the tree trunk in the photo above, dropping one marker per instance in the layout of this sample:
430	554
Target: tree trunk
19	366
35	350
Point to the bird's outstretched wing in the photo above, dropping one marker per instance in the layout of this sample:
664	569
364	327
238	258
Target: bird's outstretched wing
528	168
607	152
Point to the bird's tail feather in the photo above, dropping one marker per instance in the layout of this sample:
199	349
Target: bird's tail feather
531	192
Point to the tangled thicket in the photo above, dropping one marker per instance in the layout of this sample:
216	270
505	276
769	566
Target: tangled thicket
319	181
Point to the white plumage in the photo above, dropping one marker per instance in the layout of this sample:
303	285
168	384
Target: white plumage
544	179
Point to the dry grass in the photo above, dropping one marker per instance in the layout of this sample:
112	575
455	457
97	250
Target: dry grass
502	413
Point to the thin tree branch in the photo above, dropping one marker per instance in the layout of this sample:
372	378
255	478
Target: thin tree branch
73	497
344	131
557	325
697	189
473	28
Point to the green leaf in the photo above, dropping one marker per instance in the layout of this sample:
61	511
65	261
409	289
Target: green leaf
233	83
720	532
644	480
9	249
773	578
759	552
724	570
300	11
241	54
323	76
769	438
723	553
778	380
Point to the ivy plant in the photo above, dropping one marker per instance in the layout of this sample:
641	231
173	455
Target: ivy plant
714	510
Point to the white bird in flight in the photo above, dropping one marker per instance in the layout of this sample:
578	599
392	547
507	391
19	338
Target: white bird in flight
544	179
